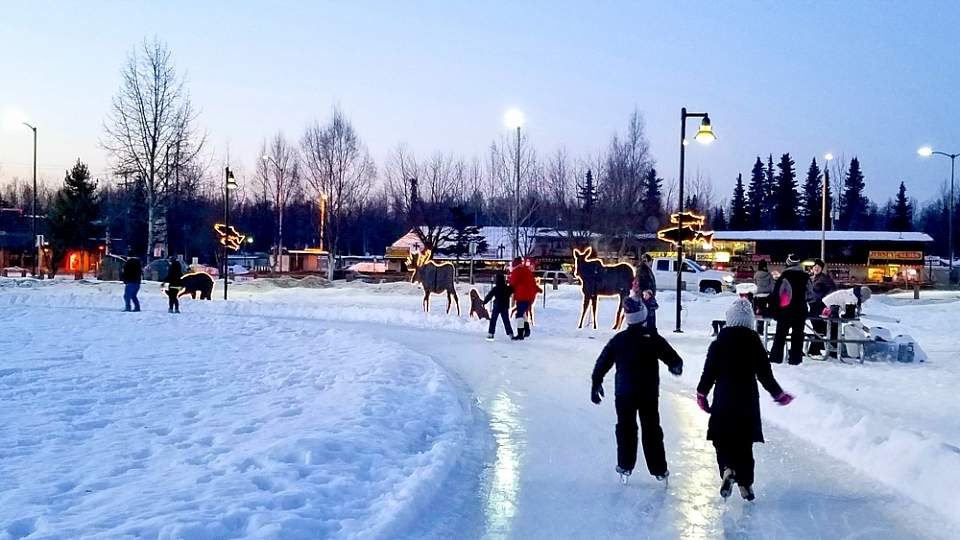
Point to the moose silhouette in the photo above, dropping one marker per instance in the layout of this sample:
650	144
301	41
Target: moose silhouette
599	279
434	278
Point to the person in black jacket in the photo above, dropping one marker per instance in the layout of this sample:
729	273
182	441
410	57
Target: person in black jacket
131	276
821	285
174	281
789	302
500	294
645	279
635	352
735	362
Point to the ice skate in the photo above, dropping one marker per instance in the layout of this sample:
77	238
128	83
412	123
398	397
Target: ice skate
489	337
665	477
747	493
729	477
624	474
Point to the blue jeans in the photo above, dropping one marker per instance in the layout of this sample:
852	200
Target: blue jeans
504	313
130	291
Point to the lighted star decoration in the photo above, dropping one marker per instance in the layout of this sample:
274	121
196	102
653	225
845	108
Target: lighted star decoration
229	236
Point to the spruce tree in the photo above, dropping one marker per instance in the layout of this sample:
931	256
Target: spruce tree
853	204
756	196
464	234
769	194
587	195
652	201
811	201
739	219
719	222
76	208
786	204
902	212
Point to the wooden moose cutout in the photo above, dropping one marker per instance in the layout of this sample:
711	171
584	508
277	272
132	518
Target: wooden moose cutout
599	279
435	279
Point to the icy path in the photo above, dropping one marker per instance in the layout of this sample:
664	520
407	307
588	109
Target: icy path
551	475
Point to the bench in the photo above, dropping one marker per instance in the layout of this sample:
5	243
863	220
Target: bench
832	347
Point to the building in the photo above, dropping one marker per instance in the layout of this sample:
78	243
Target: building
16	244
854	256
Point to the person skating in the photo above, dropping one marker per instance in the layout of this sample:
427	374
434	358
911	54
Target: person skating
763	279
635	352
736	360
821	285
174	281
131	276
789	302
525	290
500	294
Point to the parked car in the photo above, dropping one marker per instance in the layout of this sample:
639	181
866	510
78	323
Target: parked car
705	281
561	276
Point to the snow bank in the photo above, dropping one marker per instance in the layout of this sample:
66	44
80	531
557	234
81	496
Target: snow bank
204	426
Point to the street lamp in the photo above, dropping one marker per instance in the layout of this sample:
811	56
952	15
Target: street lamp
280	197
514	119
36	253
823	206
230	183
705	135
926	151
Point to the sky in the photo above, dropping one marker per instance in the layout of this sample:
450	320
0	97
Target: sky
874	79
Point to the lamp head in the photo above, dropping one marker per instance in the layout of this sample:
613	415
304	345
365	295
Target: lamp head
828	156
265	157
926	151
231	180
513	119
705	135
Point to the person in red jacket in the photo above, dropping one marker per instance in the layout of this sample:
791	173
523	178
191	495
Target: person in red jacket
525	290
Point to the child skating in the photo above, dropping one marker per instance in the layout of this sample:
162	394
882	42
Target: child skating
735	362
636	351
500	294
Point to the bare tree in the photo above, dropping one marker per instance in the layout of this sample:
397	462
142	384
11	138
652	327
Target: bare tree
149	129
621	187
340	171
278	175
502	194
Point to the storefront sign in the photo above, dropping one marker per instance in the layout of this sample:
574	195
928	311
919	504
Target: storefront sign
896	255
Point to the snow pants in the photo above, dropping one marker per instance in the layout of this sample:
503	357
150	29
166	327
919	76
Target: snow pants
794	323
173	295
738	455
504	313
629	408
130	291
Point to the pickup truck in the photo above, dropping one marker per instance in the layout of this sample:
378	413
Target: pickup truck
706	281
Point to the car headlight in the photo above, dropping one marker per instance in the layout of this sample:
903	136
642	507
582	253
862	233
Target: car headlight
728	279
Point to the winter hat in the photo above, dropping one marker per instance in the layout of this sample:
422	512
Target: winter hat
862	293
634	311
740	313
792	260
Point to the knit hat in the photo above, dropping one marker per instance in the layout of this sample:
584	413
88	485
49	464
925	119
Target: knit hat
634	312
740	313
862	293
792	260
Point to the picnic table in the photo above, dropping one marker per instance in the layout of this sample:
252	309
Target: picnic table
832	347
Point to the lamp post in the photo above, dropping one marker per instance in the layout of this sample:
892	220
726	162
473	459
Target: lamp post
229	183
704	135
36	253
823	206
514	120
926	151
279	192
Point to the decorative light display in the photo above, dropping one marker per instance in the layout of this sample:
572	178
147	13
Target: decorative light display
229	236
598	278
434	278
692	230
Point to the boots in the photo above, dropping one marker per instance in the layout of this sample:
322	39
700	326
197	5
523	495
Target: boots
747	493
726	488
521	330
526	329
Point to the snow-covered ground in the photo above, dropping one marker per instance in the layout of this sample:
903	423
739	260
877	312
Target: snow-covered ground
345	412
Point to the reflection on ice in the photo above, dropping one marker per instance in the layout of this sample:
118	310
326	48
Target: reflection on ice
501	503
698	508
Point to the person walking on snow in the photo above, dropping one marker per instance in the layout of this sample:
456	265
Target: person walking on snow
735	362
636	351
525	290
174	281
500	294
645	279
131	276
789	301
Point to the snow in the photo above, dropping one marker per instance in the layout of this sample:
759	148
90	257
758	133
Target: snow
344	412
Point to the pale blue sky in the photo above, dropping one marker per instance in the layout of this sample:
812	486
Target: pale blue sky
875	79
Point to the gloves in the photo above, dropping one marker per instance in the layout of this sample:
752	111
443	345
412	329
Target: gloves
596	394
783	399
702	403
677	369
